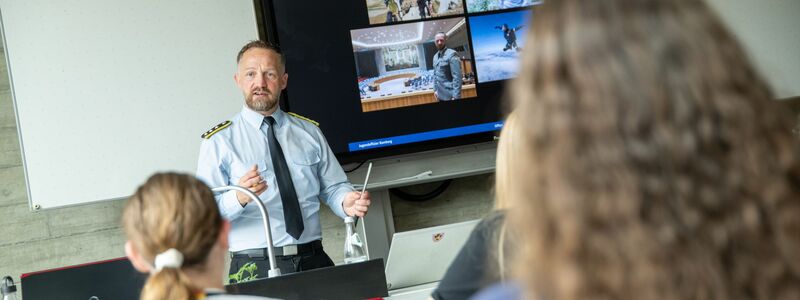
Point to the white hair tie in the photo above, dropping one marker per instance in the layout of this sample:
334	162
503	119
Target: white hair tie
169	259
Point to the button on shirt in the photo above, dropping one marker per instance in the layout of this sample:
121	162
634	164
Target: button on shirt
227	155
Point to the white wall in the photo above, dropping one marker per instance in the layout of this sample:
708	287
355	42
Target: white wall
770	31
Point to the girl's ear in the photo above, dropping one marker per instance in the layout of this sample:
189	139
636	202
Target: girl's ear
138	263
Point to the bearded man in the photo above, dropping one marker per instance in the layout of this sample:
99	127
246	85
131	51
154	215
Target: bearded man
283	158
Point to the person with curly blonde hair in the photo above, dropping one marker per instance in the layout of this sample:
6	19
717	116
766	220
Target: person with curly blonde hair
653	162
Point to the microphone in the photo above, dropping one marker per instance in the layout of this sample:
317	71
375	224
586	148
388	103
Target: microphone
273	270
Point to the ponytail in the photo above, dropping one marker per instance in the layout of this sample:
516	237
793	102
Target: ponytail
169	283
173	222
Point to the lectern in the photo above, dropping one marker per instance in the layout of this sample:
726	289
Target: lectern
361	280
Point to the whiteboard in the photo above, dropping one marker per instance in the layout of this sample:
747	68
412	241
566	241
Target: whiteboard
107	92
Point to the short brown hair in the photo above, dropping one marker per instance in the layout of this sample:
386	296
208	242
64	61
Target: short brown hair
262	45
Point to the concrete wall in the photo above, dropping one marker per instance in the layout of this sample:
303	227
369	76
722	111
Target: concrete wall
54	238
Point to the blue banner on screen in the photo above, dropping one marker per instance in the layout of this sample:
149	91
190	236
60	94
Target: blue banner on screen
425	136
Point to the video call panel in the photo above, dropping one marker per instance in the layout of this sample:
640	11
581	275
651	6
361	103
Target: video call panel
476	6
387	11
365	70
396	66
498	40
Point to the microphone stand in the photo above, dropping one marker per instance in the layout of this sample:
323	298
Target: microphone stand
273	270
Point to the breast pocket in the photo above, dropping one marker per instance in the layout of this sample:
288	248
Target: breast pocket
239	169
305	158
305	165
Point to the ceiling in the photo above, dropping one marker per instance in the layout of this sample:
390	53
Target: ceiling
409	33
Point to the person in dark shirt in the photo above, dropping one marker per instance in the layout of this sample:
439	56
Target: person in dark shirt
477	264
481	261
422	5
510	34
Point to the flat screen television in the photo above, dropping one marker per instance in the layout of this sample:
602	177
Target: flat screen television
366	70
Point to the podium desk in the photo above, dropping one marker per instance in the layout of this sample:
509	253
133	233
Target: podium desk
363	280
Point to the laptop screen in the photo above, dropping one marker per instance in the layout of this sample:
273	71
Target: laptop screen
422	256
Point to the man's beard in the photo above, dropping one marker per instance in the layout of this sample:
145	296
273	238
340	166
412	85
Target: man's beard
265	103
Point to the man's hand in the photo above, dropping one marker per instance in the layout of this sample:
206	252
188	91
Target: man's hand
253	182
356	205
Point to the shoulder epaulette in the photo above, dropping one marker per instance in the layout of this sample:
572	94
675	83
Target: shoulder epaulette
304	118
215	129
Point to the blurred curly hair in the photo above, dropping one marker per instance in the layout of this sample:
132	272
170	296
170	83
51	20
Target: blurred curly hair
653	163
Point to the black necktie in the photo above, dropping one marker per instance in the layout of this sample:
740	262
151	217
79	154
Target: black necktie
291	207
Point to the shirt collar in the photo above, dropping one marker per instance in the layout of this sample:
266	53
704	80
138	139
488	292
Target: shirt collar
255	119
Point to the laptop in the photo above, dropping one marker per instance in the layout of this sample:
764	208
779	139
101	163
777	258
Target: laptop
422	256
110	279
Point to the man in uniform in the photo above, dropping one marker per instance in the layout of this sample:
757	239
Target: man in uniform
284	159
446	70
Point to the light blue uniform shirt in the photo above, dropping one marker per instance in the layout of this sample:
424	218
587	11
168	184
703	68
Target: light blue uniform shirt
230	153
